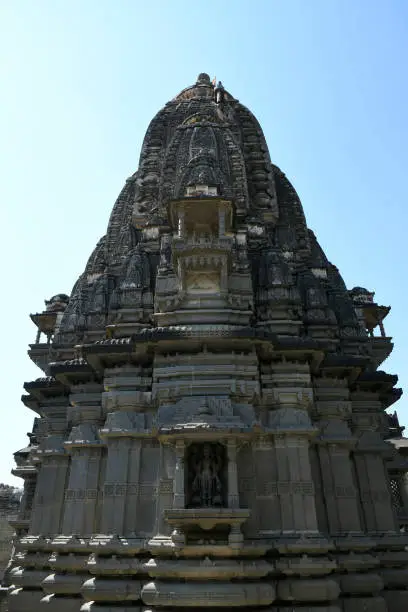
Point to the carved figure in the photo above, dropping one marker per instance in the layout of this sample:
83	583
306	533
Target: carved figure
315	298
206	487
165	253
57	303
99	294
137	272
272	272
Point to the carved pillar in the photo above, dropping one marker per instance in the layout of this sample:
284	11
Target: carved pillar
221	222
370	455
85	448
374	490
333	407
339	491
132	514
179	477
233	494
116	485
83	487
53	469
295	488
224	276
49	496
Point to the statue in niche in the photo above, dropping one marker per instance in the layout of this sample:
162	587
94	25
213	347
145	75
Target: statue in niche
315	298
137	271
272	271
165	254
99	291
206	463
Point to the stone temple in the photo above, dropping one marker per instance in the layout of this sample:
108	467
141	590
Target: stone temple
211	426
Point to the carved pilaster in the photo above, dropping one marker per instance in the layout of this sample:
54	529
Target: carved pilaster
221	222
179	476
340	493
295	488
233	494
374	491
49	496
116	485
82	492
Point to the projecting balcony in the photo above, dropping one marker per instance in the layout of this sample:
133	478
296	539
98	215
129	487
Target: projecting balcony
196	243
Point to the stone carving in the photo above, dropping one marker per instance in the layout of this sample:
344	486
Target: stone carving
137	271
98	294
165	254
273	272
242	441
57	303
205	474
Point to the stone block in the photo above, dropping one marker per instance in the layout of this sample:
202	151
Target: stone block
24	601
25	577
361	583
308	590
63	584
53	603
208	595
367	604
103	589
397	601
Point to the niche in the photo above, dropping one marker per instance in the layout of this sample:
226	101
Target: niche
206	476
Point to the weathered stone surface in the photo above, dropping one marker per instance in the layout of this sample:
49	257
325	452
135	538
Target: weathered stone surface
211	426
301	590
366	604
24	601
208	595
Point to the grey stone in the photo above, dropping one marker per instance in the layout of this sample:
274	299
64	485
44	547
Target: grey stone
212	427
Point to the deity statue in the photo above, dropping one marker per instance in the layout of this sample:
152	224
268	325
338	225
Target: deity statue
165	253
99	294
315	297
272	271
206	485
137	271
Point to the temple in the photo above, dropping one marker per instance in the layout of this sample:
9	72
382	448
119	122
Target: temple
211	425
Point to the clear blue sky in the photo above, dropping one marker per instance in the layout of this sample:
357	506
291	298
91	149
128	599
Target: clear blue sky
81	79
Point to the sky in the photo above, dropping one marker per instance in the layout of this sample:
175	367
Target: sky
81	80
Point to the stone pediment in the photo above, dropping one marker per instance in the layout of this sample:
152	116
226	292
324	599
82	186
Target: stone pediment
205	412
126	424
290	420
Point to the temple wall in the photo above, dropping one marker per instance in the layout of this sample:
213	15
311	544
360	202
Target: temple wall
211	429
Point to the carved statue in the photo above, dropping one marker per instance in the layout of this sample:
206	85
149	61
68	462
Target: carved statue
206	486
272	271
137	271
315	298
165	253
99	293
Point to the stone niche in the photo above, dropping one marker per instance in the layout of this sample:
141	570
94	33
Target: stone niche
206	475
